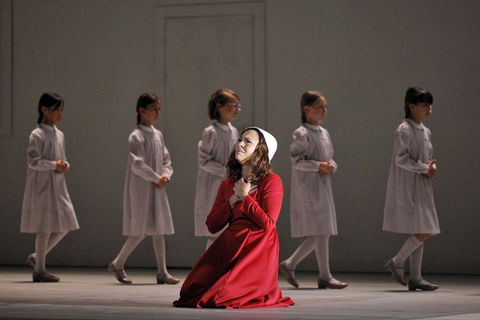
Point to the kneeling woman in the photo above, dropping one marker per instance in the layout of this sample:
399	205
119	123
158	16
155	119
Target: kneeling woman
240	269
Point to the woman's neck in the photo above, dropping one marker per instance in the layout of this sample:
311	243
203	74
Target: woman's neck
48	122
224	121
313	123
146	124
246	171
415	119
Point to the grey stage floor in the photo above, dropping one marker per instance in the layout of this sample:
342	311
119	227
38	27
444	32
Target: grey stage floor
87	293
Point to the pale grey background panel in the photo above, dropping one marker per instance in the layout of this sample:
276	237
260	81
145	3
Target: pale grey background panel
363	55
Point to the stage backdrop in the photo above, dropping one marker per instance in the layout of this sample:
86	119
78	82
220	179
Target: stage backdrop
363	55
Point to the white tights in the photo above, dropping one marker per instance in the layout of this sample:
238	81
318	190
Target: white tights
319	243
132	242
44	243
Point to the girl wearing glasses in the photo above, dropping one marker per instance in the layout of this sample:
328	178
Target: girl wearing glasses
145	204
312	210
409	206
47	208
216	145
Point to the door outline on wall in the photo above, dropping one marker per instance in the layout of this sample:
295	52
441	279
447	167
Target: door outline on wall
255	9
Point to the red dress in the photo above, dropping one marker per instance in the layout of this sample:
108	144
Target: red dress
240	269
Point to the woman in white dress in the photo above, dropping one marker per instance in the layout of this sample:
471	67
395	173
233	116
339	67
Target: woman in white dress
409	205
217	142
146	211
312	210
47	208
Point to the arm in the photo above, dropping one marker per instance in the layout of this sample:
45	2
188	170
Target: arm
272	195
402	157
137	160
205	147
221	213
332	162
298	153
167	163
34	154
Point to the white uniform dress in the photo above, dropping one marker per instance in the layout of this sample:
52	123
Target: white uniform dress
312	210
145	208
409	207
47	207
214	149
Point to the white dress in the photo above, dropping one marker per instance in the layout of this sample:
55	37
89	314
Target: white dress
409	206
47	207
145	208
312	210
214	149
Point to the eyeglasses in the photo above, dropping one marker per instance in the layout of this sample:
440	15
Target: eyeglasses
236	105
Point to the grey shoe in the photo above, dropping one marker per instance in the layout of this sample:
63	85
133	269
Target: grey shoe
44	277
119	274
168	279
283	269
412	286
391	267
331	283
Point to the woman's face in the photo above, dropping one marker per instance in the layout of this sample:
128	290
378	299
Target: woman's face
246	146
230	109
420	111
317	111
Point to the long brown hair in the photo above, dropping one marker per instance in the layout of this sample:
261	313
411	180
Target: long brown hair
260	162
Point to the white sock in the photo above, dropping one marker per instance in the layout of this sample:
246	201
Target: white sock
53	241
209	243
416	264
321	251
41	245
307	246
410	245
159	246
131	243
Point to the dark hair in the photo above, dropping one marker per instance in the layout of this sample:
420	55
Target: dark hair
48	100
220	96
416	95
260	162
308	98
142	102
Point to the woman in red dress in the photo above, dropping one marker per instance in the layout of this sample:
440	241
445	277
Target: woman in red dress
240	269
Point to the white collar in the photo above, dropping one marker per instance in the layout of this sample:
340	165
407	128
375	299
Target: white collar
224	127
419	126
145	128
47	127
311	126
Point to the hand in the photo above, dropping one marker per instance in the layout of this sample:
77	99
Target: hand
162	183
242	188
326	168
234	199
431	170
61	166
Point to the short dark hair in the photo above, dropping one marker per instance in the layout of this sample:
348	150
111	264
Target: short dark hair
416	95
48	100
220	96
142	102
308	98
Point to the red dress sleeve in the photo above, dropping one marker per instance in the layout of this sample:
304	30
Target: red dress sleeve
271	196
221	213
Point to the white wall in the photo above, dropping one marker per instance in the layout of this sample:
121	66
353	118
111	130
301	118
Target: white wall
363	55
